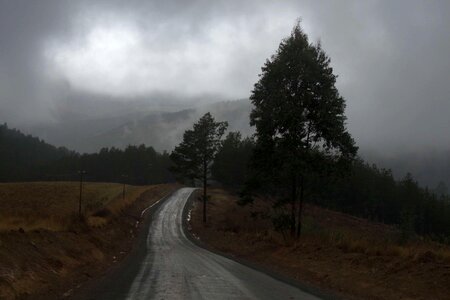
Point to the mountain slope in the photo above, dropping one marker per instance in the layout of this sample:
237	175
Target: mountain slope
23	155
160	129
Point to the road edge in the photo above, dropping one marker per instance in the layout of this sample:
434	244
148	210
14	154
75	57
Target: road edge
137	251
308	288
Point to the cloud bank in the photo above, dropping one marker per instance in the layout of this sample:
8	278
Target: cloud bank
391	57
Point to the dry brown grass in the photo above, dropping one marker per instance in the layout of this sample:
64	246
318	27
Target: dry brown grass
356	235
54	205
351	256
43	261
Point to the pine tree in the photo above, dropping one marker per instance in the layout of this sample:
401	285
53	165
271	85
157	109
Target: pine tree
298	113
194	155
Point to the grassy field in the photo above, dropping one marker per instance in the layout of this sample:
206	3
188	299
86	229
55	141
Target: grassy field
54	205
58	252
350	256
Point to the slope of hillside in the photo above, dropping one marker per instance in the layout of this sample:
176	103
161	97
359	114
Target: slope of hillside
162	129
27	158
352	257
54	205
20	152
53	259
430	167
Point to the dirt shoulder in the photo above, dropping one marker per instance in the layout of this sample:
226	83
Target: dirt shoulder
45	264
353	258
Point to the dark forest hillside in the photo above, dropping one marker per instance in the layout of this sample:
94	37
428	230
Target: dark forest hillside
362	190
24	156
28	158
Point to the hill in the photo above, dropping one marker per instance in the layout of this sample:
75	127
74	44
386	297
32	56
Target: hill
27	158
23	155
54	205
162	129
350	256
430	167
47	251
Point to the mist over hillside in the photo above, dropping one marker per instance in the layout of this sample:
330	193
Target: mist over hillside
430	167
160	126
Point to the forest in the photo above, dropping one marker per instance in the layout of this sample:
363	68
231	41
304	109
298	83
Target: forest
27	158
362	190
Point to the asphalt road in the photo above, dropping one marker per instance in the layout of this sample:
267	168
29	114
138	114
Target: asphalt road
172	267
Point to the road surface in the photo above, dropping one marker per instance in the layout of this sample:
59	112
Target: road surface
175	268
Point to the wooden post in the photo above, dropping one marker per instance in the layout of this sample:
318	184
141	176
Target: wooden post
205	174
123	190
81	193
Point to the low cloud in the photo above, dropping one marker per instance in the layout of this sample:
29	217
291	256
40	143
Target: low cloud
391	57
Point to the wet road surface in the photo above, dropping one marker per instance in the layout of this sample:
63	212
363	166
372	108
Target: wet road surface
175	268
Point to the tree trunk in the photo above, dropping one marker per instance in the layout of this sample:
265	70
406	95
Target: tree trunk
205	179
302	187
293	200
300	208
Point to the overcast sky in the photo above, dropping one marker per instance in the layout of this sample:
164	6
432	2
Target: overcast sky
392	57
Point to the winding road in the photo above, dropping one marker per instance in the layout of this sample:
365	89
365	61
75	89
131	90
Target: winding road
173	267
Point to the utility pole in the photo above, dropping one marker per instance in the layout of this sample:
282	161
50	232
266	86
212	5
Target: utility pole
124	183
81	192
205	183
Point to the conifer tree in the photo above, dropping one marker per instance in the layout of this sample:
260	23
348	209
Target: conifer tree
299	117
194	155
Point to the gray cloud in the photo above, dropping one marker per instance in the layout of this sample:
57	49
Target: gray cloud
391	57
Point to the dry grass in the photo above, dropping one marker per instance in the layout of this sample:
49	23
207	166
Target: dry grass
351	256
355	235
54	205
47	263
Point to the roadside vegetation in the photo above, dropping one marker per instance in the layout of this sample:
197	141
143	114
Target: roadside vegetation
365	191
54	205
345	255
46	251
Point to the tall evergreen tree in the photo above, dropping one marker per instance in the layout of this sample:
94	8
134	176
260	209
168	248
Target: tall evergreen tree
194	155
298	114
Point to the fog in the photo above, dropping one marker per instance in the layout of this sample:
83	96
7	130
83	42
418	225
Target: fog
78	60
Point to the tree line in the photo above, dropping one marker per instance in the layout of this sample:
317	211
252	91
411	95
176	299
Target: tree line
362	190
27	158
